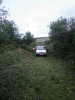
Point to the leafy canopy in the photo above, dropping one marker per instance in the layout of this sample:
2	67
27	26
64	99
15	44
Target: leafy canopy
28	38
8	29
63	34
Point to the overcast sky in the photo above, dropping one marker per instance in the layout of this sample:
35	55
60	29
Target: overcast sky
35	15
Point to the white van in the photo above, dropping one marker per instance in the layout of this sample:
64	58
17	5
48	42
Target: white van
40	50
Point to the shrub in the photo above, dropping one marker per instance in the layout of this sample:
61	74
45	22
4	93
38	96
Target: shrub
9	58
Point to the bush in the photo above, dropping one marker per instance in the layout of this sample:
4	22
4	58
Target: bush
9	58
23	46
62	36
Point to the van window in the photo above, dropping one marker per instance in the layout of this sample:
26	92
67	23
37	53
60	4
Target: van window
40	48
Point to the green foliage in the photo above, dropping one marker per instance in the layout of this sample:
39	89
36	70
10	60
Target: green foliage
62	35
5	48
47	42
28	39
63	39
9	33
36	78
8	29
9	58
23	46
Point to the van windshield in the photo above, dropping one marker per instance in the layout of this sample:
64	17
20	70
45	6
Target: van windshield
41	48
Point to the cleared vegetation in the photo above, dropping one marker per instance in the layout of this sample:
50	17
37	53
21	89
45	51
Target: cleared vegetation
26	77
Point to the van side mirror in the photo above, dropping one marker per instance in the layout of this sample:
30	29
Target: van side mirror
44	47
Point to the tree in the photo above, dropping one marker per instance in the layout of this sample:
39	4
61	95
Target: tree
28	38
62	35
8	29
